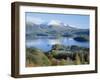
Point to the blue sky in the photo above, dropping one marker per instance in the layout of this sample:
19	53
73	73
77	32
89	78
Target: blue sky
78	21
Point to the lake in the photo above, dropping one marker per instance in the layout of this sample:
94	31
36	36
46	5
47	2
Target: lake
46	44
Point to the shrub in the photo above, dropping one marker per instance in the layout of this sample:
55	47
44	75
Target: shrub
63	62
37	57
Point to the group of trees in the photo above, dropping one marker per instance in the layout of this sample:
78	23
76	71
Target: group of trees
58	55
69	56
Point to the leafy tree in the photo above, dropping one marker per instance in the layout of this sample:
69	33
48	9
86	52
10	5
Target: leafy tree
56	47
54	53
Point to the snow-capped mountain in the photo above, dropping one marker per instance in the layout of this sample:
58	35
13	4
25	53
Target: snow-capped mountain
55	23
54	27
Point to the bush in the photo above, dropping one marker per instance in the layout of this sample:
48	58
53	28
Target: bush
63	62
54	62
37	57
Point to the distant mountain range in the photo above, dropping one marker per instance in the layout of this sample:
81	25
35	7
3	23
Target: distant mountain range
54	29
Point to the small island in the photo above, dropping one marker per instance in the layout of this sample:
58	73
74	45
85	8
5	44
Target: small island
80	39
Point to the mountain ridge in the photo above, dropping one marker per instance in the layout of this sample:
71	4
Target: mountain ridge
53	29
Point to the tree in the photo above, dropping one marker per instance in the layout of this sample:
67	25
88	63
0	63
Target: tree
54	53
77	59
82	57
56	47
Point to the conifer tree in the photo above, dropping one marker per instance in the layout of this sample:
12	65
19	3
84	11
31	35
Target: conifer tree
77	59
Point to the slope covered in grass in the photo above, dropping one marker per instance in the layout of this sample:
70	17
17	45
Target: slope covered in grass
35	57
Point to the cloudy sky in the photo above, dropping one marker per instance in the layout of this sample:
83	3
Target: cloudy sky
79	21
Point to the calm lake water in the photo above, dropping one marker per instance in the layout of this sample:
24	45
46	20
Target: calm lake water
46	44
